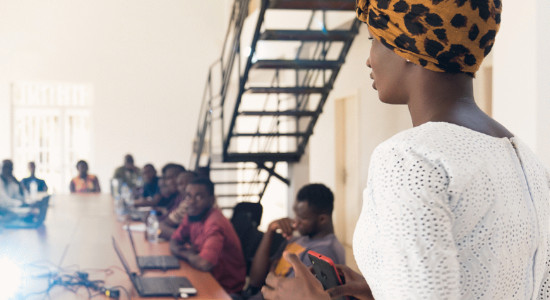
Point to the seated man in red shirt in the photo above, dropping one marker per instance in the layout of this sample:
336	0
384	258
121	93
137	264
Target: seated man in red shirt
207	240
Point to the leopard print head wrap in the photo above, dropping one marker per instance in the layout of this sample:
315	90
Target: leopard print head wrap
451	36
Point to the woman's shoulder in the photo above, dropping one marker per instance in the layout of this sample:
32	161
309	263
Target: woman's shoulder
452	147
437	136
413	138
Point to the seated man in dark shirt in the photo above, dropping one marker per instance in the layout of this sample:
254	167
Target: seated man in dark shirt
168	189
150	186
207	240
40	184
313	221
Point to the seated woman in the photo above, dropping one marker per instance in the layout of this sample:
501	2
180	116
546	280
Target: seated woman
84	182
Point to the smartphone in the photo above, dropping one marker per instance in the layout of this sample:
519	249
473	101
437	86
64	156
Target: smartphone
325	270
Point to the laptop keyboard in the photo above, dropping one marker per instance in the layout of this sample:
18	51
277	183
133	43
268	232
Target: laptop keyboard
156	261
159	285
160	262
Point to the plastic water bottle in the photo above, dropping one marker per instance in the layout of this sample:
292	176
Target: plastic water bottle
114	187
139	181
119	208
152	232
33	190
126	196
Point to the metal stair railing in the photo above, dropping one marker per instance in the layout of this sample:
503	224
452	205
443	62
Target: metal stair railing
302	100
238	15
215	95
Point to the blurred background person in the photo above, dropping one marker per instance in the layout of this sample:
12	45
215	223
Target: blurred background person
41	185
150	186
128	173
11	193
168	190
178	211
84	182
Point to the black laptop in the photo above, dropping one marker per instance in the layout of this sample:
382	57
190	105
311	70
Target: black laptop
159	262
171	286
29	217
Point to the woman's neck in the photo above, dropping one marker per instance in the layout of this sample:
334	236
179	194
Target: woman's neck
441	97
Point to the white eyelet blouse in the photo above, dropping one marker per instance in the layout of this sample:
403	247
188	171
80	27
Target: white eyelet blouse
451	213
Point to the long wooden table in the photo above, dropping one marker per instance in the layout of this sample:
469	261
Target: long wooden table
77	234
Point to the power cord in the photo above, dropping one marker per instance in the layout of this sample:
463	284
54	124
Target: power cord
73	280
80	279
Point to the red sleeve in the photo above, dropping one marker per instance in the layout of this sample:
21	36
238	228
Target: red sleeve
213	245
178	234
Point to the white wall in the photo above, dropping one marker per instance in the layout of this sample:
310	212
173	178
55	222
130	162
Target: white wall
543	80
147	61
377	122
521	85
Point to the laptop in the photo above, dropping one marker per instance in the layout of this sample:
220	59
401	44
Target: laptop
159	262
29	217
139	213
171	286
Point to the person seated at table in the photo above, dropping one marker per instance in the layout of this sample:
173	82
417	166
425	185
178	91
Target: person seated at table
41	185
128	173
174	217
150	182
11	193
313	209
168	189
84	182
207	240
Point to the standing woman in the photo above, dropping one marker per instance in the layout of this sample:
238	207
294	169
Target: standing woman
456	207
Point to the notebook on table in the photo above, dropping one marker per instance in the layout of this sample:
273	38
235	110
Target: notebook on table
29	217
158	262
171	286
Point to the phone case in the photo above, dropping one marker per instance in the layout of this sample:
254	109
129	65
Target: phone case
325	270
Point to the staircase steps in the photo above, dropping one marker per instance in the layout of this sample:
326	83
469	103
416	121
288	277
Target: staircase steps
269	134
297	64
313	4
307	35
262	157
290	113
288	90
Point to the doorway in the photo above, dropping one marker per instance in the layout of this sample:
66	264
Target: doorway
348	198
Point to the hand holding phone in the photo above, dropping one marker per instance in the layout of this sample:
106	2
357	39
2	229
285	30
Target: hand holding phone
355	286
325	270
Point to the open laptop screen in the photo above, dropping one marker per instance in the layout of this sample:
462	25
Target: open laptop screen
121	257
133	247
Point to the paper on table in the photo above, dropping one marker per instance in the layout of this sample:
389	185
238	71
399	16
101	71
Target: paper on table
21	210
135	227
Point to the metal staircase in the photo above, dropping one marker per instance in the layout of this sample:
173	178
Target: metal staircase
267	90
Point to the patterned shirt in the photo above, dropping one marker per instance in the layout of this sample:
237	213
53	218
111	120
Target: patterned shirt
89	184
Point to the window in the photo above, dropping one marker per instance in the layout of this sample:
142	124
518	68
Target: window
51	125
